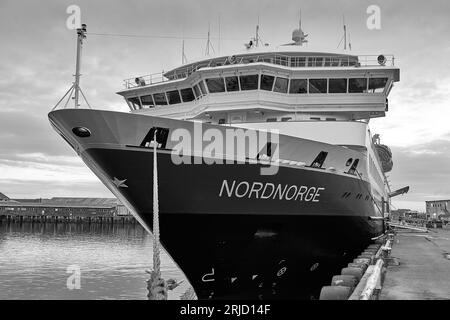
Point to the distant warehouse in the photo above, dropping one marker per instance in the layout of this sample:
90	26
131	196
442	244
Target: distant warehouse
63	207
438	209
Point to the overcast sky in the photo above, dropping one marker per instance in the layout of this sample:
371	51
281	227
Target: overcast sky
38	53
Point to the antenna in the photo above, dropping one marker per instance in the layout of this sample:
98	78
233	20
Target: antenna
183	55
345	33
344	37
208	42
257	34
300	21
349	42
218	45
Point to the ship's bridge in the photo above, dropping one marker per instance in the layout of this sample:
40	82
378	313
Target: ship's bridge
268	87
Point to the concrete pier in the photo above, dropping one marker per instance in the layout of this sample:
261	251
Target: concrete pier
420	268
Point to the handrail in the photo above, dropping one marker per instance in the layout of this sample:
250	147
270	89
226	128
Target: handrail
276	59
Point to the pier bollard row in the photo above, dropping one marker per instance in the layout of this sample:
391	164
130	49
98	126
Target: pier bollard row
362	279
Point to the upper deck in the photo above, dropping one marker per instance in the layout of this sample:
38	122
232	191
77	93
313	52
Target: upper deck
291	59
271	84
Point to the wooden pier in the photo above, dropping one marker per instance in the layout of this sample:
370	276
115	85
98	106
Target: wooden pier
64	209
17	218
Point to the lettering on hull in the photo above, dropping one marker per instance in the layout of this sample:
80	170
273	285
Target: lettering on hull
259	190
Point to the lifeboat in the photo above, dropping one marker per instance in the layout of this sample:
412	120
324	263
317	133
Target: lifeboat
385	155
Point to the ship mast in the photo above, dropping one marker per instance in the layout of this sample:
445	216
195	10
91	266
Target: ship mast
75	89
345	33
81	36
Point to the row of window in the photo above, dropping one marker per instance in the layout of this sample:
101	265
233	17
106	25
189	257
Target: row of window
438	205
296	86
262	82
276	59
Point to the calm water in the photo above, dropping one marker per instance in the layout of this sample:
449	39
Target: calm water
112	260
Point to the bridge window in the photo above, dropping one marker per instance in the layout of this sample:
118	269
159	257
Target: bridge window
136	102
202	88
232	84
298	61
267	82
338	86
315	61
187	95
317	85
160	99
174	97
357	85
298	86
377	85
147	101
197	92
215	85
281	60
281	85
249	82
319	62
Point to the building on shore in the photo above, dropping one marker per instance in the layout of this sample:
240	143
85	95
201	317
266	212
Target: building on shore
63	207
403	214
438	209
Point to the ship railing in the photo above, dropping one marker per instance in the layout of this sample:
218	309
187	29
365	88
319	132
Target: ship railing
270	58
145	80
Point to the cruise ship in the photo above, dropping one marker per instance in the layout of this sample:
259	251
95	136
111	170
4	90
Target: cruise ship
268	174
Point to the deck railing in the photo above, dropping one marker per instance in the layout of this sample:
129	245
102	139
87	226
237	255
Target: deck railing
276	59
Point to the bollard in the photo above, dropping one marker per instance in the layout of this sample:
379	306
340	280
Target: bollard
363	266
362	260
345	281
335	293
356	272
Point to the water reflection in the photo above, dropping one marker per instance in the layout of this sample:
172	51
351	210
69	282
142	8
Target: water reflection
112	258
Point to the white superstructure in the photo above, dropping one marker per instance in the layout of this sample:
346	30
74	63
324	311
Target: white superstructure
321	96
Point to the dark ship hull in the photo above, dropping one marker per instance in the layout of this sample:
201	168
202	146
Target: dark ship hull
228	241
231	247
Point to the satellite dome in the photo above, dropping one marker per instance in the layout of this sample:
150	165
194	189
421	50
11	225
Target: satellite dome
297	35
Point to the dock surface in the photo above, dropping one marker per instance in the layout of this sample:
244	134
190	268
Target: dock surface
423	272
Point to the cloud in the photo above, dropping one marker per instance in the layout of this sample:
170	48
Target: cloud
425	168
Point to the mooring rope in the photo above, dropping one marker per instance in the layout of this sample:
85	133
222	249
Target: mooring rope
157	287
156	251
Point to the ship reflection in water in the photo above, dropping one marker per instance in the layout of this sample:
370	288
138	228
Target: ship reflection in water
112	260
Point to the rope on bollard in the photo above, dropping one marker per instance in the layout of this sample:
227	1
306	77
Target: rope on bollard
157	286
